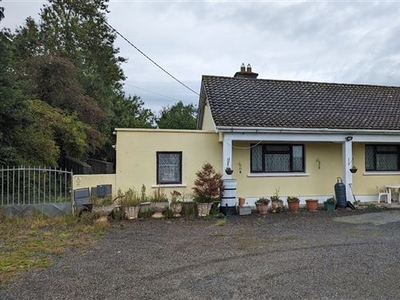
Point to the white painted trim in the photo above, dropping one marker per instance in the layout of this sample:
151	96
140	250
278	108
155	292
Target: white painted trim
306	130
289	174
169	185
226	156
383	173
310	137
321	199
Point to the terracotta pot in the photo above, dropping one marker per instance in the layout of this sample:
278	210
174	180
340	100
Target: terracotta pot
176	209
262	208
312	205
242	201
294	206
158	207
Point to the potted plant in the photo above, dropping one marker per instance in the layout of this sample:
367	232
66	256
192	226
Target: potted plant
228	171
130	201
329	204
293	203
176	204
207	188
262	205
276	202
312	204
158	202
353	169
103	206
145	209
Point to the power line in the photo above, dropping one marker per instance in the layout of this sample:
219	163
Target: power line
152	92
144	54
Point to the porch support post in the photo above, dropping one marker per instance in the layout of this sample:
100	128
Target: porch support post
226	155
347	155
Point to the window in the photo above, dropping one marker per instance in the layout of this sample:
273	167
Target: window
382	157
277	158
169	167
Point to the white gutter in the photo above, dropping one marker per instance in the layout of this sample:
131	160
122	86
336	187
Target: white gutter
303	130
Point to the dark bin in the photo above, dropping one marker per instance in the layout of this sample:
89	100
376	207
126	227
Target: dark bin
340	193
104	190
82	200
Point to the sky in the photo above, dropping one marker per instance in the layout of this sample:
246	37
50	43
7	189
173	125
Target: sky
324	41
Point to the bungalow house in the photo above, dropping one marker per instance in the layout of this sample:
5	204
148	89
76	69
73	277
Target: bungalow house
294	138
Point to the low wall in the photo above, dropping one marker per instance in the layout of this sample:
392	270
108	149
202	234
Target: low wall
93	180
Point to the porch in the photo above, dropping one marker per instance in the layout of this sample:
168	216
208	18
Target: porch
311	163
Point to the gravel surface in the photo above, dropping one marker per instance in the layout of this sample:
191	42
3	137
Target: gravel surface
280	256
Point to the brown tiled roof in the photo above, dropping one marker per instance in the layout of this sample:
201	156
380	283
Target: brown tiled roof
239	102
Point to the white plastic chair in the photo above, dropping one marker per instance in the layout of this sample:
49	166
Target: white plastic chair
383	191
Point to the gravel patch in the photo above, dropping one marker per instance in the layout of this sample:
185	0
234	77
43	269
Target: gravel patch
280	256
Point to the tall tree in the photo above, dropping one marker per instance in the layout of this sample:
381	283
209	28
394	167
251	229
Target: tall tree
178	116
68	60
13	102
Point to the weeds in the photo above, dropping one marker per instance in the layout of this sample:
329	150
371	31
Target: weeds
31	243
221	222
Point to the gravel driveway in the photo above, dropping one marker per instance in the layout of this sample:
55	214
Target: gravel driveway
280	256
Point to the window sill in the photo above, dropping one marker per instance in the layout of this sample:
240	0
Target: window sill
289	174
172	185
381	173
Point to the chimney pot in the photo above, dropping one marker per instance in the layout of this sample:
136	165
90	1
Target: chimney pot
248	68
243	73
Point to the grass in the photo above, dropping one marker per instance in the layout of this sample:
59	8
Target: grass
31	243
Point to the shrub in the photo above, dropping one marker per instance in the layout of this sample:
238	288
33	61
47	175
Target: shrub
208	184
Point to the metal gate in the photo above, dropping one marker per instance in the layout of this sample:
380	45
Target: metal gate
26	190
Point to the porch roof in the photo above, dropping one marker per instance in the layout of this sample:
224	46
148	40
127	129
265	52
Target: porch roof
264	103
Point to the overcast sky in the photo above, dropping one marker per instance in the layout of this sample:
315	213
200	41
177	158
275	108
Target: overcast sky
329	41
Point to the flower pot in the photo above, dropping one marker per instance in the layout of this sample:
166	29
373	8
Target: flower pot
262	208
228	171
158	208
312	205
176	209
276	206
132	212
204	209
242	201
294	206
104	210
329	206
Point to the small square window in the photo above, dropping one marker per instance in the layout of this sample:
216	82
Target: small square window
169	167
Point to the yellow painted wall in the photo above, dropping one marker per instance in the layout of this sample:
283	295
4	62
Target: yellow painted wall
93	180
136	165
364	183
208	122
136	156
320	181
323	164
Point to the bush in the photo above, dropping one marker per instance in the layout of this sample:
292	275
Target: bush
208	184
